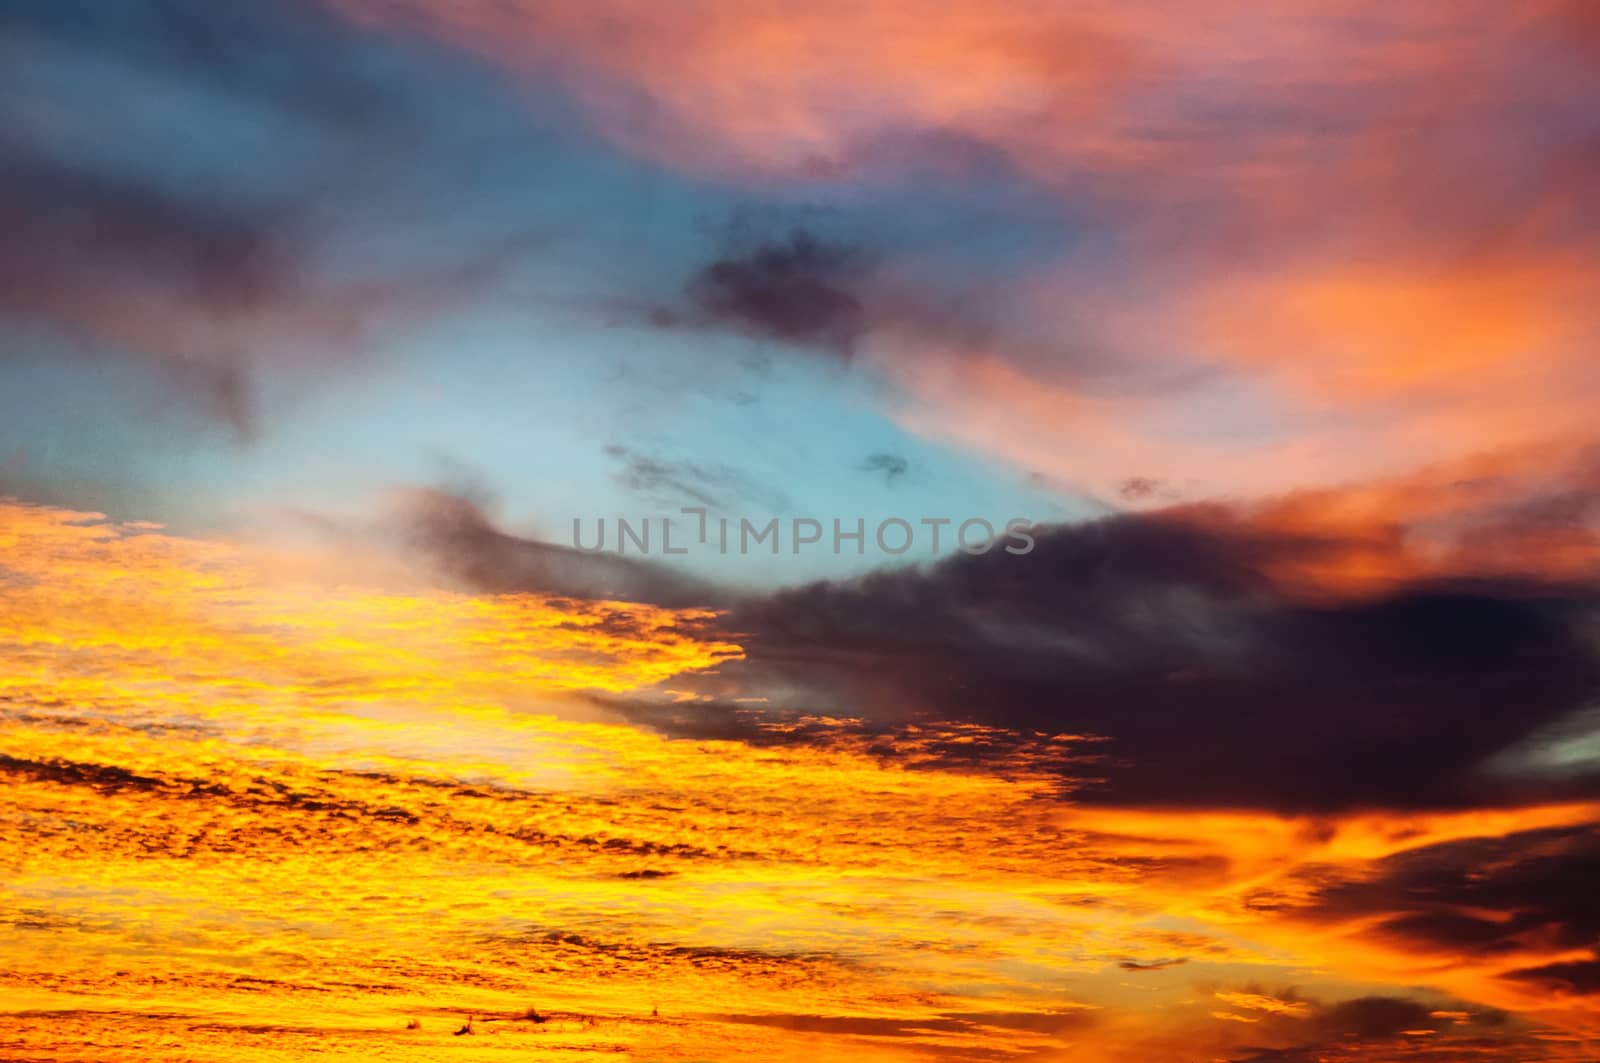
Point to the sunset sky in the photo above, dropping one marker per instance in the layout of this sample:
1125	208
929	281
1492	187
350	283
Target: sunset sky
333	333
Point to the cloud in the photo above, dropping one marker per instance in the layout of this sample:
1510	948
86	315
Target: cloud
1206	645
214	728
893	466
1167	633
1062	1022
799	287
107	260
676	483
1577	977
459	537
1371	1018
199	229
1216	683
1289	1004
1503	902
746	92
1305	1029
162	588
1139	489
1154	965
124	256
1149	248
1264	267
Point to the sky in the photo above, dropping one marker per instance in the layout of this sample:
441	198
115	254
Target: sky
891	531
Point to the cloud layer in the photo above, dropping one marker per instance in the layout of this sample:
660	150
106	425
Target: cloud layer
1279	745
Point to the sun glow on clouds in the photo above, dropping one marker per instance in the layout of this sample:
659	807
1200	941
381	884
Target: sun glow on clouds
1302	247
1287	758
245	814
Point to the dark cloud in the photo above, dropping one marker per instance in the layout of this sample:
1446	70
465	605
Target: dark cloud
1484	897
184	221
677	483
1166	633
827	281
1371	1018
1576	977
893	466
701	719
1139	488
557	950
459	536
104	778
952	747
799	287
103	258
1050	1022
177	264
1154	965
1371	1027
228	257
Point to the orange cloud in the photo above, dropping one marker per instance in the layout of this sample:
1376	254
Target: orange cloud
1333	223
254	812
759	88
1258	1002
